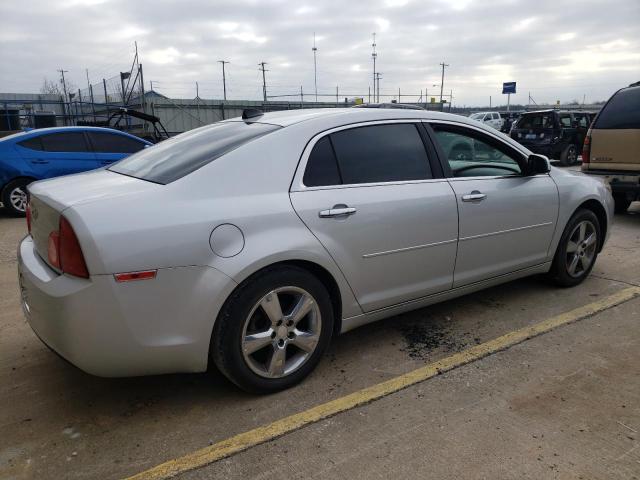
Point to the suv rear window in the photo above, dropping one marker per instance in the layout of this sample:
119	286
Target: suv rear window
622	110
535	120
174	158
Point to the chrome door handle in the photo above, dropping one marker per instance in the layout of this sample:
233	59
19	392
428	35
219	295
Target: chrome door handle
474	196
337	211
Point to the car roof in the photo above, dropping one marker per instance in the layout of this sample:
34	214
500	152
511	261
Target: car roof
349	115
42	131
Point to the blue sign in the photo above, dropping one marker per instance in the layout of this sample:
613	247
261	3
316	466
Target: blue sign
509	87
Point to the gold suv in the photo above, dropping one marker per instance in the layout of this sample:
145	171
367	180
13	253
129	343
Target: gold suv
612	146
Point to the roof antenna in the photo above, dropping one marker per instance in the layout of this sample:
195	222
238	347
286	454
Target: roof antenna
249	113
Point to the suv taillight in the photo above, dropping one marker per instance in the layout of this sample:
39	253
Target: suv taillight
64	251
586	148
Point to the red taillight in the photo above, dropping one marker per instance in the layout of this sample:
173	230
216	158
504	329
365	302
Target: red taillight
586	148
64	251
29	217
71	257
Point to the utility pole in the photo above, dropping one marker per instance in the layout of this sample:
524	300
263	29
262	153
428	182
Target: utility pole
64	89
315	66
93	106
264	80
442	81
377	83
374	55
224	78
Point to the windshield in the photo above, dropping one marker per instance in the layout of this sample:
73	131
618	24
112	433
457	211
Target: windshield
535	120
477	116
185	153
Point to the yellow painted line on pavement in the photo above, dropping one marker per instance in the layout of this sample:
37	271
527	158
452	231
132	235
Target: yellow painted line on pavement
265	433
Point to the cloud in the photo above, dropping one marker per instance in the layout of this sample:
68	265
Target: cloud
544	46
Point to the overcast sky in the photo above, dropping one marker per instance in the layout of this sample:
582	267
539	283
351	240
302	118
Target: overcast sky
554	49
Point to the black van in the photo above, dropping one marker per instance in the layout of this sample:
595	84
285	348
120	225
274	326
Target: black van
557	134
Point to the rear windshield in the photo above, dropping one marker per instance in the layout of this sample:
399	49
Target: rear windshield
622	111
178	156
535	120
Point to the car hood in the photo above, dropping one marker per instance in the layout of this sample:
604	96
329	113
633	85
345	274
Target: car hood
63	192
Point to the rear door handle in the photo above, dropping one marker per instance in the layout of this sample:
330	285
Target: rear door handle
474	196
337	211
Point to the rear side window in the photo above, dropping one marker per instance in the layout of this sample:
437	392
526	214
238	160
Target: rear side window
322	167
622	111
32	143
112	143
381	153
565	120
64	142
536	120
178	156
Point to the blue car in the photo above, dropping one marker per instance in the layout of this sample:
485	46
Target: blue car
52	152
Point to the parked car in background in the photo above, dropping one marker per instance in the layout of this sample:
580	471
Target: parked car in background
493	119
509	118
557	134
612	146
251	242
52	152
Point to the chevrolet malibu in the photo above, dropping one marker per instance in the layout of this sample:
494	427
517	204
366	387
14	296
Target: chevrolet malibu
248	244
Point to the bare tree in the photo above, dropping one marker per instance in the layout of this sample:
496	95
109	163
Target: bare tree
50	87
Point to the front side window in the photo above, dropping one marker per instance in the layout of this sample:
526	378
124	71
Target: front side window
381	153
68	142
469	154
178	156
112	143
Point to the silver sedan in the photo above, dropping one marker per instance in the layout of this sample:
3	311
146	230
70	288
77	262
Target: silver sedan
250	243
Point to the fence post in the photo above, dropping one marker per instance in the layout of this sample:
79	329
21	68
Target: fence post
106	98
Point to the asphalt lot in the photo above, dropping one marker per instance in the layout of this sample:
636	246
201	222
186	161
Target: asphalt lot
562	405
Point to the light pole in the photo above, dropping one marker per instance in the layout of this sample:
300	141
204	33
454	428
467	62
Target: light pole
315	66
374	55
224	79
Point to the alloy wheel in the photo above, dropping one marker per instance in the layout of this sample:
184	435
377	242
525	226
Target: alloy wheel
281	332
581	248
18	199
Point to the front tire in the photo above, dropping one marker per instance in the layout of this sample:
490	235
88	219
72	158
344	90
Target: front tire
14	197
578	249
272	331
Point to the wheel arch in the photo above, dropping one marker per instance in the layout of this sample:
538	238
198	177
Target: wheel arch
30	179
315	269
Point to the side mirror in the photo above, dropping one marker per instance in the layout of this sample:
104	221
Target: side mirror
537	164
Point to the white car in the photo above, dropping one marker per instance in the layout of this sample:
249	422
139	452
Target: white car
493	119
250	243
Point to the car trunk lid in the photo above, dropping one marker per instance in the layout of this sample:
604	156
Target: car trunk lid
50	198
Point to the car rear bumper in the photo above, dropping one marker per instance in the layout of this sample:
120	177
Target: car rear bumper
620	182
115	329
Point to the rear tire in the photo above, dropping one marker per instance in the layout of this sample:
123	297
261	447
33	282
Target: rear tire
14	197
578	249
622	203
263	349
569	156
